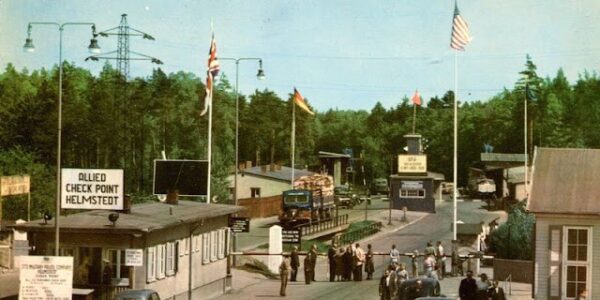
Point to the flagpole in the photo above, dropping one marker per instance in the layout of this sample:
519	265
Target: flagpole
414	116
293	139
209	144
455	160
525	135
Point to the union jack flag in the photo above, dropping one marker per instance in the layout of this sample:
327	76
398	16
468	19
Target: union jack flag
460	31
211	73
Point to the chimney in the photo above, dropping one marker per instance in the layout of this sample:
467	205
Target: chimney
172	197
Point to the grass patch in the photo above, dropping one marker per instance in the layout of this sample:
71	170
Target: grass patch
257	266
360	225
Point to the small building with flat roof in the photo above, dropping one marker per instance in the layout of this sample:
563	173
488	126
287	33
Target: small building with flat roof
565	198
179	250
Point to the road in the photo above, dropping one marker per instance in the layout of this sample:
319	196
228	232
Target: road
432	227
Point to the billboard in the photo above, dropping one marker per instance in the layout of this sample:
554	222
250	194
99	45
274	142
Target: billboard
92	189
188	177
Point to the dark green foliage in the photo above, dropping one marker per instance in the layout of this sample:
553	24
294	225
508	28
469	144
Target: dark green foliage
513	239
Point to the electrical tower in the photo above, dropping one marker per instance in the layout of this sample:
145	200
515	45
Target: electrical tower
132	154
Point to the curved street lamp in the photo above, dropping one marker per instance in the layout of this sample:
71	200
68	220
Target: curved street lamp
29	47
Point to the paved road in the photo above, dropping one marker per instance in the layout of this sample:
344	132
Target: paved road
432	227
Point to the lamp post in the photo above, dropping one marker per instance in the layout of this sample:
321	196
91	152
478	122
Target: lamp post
260	75
29	47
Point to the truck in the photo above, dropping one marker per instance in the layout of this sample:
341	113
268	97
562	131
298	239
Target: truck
311	200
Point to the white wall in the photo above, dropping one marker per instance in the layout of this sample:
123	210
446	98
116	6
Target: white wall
268	187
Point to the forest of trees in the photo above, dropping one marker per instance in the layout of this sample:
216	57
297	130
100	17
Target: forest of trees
107	124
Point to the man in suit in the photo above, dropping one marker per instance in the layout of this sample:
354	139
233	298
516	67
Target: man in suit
468	287
332	263
312	254
496	292
284	270
294	263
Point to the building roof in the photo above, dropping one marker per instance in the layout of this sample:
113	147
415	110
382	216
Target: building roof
433	175
565	181
280	173
503	157
323	154
144	217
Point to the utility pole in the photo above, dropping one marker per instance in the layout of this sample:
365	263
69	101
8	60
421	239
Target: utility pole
123	57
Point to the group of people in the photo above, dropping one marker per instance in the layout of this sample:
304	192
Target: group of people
391	281
482	289
346	264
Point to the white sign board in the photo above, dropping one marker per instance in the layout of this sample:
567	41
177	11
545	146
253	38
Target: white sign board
408	163
134	257
14	185
92	189
412	185
46	277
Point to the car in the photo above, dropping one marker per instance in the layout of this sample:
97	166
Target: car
447	187
380	187
431	287
344	197
137	295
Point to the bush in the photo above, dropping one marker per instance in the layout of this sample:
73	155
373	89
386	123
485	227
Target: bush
514	239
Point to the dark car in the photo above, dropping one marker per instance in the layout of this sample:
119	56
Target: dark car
380	187
344	197
431	288
137	295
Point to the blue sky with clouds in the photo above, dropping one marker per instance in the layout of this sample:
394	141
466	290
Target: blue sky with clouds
342	54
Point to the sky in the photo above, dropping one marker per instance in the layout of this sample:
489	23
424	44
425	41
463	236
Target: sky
346	54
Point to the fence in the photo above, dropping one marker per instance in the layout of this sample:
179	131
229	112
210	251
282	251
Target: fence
260	207
357	234
323	225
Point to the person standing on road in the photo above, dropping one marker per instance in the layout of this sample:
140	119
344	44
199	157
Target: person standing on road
369	265
394	282
483	285
384	293
394	255
313	260
440	260
497	293
332	263
429	266
307	269
468	287
284	271
415	264
339	265
359	256
348	263
294	263
429	250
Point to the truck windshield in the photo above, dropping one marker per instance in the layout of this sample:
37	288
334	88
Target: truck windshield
291	199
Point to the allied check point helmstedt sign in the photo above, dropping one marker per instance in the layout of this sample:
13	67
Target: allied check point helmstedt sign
92	189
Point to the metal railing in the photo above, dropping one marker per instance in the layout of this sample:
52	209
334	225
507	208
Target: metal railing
323	225
349	237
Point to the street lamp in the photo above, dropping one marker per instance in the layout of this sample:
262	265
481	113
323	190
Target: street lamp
29	47
260	75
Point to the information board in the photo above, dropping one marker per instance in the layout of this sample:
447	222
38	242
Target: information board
291	236
134	257
46	277
92	189
408	163
239	224
14	185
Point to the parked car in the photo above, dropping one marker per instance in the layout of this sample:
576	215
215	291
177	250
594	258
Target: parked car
447	187
380	187
137	295
344	197
431	288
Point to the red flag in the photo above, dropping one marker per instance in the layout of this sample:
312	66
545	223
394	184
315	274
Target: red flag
299	100
416	98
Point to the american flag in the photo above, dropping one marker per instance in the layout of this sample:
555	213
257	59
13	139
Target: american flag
460	31
299	100
416	98
211	73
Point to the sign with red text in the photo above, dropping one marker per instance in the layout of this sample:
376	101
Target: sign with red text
46	277
92	189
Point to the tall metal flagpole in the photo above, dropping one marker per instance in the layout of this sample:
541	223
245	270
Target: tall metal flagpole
455	162
209	143
293	137
525	139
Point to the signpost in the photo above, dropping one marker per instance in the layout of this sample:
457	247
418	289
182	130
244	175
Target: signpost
238	224
15	185
410	163
92	189
46	277
291	236
134	257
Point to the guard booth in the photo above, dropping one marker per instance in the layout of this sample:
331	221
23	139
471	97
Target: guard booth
413	186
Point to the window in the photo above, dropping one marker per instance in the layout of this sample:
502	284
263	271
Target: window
214	242
255	192
171	259
577	261
227	240
197	242
205	248
410	193
117	268
151	264
160	261
221	245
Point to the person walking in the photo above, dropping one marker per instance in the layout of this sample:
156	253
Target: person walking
359	256
384	293
394	255
284	271
415	264
440	260
313	261
348	263
307	269
496	292
369	265
468	287
332	262
294	263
